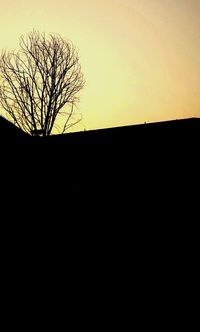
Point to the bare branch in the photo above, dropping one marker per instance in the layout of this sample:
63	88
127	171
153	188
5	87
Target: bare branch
39	80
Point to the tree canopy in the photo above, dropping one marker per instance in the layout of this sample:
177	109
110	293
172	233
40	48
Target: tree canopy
39	83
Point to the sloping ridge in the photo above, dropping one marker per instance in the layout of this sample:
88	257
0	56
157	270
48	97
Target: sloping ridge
186	129
8	131
170	124
141	157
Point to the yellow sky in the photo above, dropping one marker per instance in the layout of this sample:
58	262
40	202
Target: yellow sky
141	58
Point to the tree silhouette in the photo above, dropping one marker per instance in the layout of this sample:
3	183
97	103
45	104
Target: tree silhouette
39	83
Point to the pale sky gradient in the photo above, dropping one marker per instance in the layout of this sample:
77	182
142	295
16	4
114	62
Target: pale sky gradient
141	58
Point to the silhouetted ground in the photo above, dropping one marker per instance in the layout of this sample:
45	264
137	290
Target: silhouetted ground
113	212
9	133
150	165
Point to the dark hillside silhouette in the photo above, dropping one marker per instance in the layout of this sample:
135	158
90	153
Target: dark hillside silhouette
167	139
142	146
9	132
132	189
121	203
148	165
139	157
173	131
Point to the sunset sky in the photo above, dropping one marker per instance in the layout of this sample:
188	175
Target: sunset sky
140	58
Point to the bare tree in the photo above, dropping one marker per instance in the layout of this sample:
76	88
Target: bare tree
39	83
